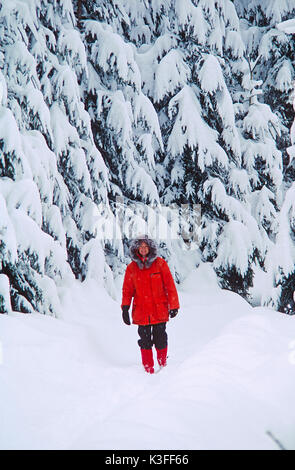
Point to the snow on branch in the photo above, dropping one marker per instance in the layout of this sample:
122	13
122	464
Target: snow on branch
191	19
235	248
111	53
210	75
145	112
71	46
261	122
287	27
171	74
190	130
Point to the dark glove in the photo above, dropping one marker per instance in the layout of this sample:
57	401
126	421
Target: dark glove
173	313
125	314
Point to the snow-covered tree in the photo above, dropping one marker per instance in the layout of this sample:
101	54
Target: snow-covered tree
53	178
125	124
281	259
260	128
125	115
265	122
271	52
188	70
165	79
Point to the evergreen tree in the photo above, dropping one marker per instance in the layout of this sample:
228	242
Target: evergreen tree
271	52
52	176
187	71
270	56
124	115
281	257
124	121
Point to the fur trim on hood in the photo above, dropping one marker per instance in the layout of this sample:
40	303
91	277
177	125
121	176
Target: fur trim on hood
134	254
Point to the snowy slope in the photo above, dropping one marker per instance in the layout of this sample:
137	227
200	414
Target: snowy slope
77	382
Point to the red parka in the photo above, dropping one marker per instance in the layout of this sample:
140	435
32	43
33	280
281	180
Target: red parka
151	286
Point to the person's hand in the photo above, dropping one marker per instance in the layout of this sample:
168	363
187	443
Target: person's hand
173	312
125	314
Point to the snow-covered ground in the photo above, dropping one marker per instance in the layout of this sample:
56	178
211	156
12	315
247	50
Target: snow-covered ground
77	383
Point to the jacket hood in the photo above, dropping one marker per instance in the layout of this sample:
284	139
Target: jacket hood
134	254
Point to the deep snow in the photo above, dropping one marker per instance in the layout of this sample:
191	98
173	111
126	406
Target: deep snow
76	382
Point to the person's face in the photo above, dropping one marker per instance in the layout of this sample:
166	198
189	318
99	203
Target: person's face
143	249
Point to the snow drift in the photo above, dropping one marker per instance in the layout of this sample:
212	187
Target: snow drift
77	383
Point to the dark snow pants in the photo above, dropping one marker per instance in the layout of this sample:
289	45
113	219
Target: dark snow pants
153	334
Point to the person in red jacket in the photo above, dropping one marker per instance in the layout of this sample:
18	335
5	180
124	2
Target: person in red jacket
149	282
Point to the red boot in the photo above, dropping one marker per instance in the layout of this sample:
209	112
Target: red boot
147	360
162	357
